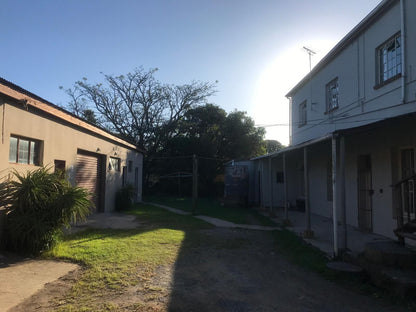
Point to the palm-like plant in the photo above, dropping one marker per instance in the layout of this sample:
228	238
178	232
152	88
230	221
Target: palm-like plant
38	205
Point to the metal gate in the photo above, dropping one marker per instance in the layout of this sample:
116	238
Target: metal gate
365	193
88	176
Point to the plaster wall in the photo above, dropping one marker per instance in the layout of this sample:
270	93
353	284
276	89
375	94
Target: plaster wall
60	141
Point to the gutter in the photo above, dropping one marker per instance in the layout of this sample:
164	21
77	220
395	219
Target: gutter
403	48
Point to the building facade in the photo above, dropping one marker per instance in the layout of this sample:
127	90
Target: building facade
36	133
352	129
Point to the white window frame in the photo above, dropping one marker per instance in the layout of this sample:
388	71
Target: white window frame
389	59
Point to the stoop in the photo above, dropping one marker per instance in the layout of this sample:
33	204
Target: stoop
390	266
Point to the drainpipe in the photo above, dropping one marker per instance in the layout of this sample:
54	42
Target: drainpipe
334	193
403	48
308	232
262	183
285	186
342	191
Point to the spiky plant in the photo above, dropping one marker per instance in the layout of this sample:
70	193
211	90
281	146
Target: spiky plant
39	204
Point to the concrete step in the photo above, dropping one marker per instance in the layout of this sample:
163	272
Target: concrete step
390	254
398	281
389	265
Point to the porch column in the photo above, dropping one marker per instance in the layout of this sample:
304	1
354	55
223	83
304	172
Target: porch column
262	183
308	232
342	191
271	185
285	188
334	193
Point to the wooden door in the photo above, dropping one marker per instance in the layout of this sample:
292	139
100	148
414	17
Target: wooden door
88	176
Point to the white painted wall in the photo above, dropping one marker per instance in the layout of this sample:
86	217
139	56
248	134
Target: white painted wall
359	102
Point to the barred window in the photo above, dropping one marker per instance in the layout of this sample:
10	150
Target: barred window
389	57
332	91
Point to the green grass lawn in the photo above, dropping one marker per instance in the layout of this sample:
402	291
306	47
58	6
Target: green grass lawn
214	208
116	259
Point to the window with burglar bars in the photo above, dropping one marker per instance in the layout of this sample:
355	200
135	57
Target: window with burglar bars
302	114
332	92
389	58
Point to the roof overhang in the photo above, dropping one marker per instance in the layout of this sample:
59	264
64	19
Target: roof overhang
343	132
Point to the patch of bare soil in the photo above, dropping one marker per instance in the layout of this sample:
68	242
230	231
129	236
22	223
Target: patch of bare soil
221	270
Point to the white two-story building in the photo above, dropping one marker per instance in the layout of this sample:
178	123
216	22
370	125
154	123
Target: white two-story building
353	129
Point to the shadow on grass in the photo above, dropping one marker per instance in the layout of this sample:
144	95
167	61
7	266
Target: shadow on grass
212	269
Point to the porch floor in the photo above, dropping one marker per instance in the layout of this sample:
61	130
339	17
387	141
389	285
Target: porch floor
322	228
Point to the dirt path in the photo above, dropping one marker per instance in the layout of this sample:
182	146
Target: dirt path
223	270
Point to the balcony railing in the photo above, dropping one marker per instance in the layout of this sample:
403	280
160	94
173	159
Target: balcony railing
404	200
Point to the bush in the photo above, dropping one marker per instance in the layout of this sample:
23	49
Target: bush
124	198
39	204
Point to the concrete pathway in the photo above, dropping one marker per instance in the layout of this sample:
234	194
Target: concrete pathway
20	280
218	222
227	224
107	220
174	210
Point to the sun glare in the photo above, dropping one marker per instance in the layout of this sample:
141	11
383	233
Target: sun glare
270	107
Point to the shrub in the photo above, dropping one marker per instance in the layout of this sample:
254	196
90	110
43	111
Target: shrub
124	198
39	204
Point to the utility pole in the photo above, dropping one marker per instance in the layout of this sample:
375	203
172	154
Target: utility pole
194	183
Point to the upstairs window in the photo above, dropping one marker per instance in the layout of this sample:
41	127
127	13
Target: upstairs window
389	58
24	151
332	91
302	114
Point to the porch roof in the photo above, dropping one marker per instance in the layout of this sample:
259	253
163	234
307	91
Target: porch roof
294	147
381	123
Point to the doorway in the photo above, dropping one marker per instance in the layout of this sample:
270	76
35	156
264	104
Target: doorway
408	191
365	193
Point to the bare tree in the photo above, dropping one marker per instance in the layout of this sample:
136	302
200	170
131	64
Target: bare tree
137	106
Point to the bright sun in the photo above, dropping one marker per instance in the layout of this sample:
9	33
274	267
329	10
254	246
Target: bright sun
269	105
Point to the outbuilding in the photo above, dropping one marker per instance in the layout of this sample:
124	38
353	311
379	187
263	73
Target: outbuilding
35	133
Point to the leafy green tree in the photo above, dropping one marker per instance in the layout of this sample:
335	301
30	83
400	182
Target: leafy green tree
273	146
242	140
216	137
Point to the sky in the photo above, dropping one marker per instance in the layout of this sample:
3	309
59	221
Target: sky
253	48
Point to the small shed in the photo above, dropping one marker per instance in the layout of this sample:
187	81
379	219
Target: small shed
238	175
